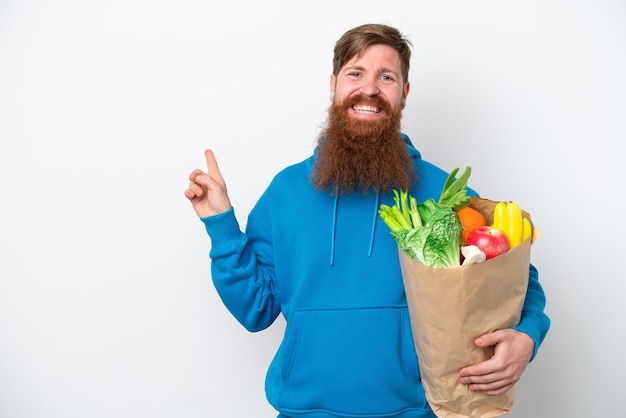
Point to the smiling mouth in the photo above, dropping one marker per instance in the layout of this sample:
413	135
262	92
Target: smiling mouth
366	109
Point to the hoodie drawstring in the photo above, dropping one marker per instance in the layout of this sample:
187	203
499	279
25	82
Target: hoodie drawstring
369	253
334	228
332	232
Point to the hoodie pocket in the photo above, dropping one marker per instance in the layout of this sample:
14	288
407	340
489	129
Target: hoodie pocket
350	361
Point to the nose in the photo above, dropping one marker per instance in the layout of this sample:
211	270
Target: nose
370	86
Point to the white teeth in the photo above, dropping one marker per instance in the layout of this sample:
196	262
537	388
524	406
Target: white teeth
366	109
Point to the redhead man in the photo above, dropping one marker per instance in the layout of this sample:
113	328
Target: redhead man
348	349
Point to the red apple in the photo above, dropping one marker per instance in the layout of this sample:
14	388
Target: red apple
492	241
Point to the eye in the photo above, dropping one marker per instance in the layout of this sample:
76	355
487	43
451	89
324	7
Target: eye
387	78
354	74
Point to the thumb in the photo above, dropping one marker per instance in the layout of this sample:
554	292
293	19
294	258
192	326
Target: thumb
487	340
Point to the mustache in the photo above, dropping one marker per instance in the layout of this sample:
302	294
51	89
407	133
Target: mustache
368	100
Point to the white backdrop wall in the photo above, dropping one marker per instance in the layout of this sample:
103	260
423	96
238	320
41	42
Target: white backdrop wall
106	303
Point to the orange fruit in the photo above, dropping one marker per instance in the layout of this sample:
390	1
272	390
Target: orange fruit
470	219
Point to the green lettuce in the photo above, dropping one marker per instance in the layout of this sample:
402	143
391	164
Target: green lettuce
429	233
437	243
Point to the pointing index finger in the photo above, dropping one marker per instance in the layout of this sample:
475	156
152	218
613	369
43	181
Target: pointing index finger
212	168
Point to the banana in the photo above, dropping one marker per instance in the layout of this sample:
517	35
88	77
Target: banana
527	229
515	226
507	217
498	215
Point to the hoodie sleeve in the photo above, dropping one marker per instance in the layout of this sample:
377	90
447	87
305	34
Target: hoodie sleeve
243	282
534	321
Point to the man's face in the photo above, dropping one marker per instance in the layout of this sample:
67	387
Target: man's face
376	72
361	148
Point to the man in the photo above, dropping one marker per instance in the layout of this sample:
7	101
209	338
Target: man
316	251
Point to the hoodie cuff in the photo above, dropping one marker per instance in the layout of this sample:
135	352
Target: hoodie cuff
222	227
536	332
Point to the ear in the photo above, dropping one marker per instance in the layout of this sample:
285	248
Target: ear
405	93
333	84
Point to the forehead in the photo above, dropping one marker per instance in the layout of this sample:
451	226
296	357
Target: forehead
376	56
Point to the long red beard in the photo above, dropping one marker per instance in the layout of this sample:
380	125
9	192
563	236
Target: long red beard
362	156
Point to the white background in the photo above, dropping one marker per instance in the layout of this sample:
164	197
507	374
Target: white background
106	302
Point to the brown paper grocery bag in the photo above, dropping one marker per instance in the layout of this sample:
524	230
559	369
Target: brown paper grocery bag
449	308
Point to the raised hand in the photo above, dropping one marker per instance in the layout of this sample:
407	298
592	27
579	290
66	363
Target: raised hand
207	191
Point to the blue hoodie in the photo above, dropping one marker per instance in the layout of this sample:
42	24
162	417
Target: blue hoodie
330	266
